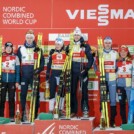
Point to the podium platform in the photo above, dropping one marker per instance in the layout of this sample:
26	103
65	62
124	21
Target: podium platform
73	126
12	128
116	130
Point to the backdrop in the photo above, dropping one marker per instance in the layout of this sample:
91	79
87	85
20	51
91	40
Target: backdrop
58	18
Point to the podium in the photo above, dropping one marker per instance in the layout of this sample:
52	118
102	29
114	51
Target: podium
116	130
75	125
12	128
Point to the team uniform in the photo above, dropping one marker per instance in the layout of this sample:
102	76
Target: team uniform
26	57
81	56
110	66
124	77
10	76
54	69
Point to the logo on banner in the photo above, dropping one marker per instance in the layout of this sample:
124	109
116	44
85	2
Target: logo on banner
63	129
102	14
49	129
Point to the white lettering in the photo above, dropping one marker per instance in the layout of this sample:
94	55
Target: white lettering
14	9
91	14
129	14
72	15
82	14
116	14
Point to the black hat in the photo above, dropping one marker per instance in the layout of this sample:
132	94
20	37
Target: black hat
8	44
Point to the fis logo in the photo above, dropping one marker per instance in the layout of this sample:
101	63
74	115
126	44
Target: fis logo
103	14
49	129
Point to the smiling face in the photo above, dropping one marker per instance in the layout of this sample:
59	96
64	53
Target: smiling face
58	46
123	54
8	49
77	37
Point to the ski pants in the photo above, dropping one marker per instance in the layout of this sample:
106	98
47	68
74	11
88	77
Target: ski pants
24	88
10	88
123	93
111	87
54	82
74	85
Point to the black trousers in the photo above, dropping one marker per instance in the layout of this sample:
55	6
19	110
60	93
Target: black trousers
10	88
24	88
74	85
53	85
122	100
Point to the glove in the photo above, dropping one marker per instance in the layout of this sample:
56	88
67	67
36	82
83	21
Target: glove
51	51
82	42
36	71
67	49
37	49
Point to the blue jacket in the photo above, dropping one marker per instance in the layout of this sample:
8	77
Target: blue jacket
10	68
26	57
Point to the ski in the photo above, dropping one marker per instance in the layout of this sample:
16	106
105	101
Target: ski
68	86
60	87
1	39
65	76
37	56
103	93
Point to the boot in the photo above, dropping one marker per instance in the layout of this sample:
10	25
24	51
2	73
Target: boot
22	116
85	114
61	107
85	110
112	117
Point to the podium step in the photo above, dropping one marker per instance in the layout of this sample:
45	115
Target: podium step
12	128
65	126
116	130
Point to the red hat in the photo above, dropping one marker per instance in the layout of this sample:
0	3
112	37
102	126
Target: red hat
123	48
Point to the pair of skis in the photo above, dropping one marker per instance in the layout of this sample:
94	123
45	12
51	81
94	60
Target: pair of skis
103	93
1	39
37	57
65	76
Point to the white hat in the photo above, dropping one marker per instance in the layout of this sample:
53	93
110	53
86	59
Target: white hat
77	31
59	41
28	35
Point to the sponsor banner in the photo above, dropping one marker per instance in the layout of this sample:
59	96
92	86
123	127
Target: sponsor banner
96	14
64	36
64	126
86	14
16	14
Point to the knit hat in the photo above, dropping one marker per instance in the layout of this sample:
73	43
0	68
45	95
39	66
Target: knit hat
77	31
59	41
